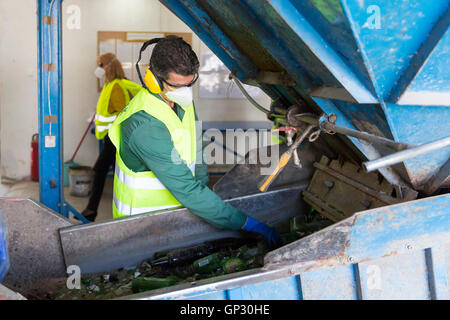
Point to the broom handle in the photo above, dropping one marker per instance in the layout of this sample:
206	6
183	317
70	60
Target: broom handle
84	135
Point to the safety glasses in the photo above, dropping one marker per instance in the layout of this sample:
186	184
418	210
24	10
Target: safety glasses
181	85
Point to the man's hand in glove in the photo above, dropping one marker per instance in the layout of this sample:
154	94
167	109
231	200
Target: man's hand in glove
272	237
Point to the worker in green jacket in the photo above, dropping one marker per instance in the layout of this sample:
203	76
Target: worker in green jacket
156	145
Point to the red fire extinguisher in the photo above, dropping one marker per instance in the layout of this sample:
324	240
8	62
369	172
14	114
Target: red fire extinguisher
35	157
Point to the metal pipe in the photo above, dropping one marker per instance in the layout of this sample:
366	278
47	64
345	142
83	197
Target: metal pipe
251	100
312	119
398	146
245	93
405	154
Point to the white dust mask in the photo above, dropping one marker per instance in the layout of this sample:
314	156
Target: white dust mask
181	96
99	72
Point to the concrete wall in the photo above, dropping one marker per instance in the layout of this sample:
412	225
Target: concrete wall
18	78
18	85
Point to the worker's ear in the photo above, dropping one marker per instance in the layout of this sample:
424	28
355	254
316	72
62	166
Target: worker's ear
152	82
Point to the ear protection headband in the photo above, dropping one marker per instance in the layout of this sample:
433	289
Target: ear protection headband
151	81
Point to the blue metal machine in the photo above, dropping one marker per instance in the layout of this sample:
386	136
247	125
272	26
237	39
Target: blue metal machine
385	253
380	67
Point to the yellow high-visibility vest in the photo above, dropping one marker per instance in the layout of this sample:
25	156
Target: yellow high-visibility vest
104	119
142	192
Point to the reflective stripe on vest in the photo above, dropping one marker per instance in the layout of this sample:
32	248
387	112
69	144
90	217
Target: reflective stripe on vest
126	210
144	182
103	128
143	192
105	119
139	192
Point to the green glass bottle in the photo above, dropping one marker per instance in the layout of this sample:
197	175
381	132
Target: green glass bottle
142	284
208	263
187	255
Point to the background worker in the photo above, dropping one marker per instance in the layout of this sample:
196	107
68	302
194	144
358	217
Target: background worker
157	146
116	93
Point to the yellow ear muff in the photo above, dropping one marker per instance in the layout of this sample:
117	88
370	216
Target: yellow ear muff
152	82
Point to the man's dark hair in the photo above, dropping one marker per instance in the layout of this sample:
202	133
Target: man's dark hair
173	54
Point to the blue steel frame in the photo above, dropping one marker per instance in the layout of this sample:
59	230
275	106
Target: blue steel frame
379	71
51	168
50	102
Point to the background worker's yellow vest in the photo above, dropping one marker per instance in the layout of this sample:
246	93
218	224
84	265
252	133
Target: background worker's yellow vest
142	192
104	119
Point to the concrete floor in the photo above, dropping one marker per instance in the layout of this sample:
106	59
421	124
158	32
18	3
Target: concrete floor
30	189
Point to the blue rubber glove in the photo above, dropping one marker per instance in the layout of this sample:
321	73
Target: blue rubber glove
272	237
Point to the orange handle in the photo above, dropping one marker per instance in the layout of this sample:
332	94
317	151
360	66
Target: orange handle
284	159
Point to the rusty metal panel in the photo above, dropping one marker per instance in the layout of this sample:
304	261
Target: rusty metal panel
36	256
338	190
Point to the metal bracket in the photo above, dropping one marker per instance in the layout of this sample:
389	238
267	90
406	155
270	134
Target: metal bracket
68	208
51	119
48	20
49	67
